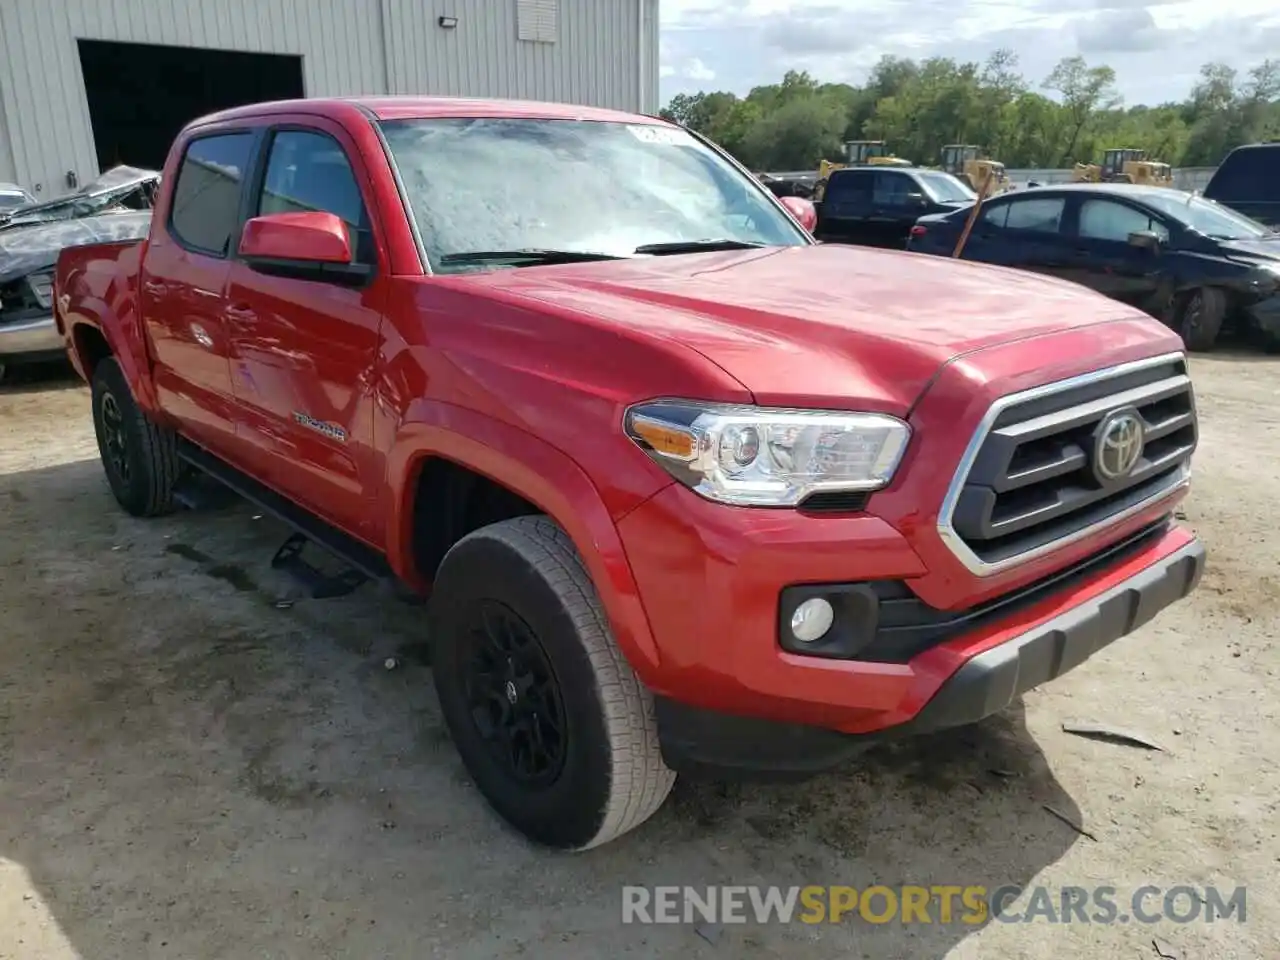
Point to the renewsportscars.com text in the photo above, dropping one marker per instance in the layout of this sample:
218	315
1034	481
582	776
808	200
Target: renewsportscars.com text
937	904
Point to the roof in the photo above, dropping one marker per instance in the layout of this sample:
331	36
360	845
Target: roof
405	108
1135	190
885	168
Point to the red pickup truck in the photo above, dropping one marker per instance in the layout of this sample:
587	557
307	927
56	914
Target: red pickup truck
687	490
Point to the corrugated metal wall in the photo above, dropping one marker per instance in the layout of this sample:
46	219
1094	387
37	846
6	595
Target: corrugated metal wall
601	56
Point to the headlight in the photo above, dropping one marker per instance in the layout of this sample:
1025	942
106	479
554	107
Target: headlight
756	456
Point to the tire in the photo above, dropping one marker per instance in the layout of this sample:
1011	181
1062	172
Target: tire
601	773
1199	317
139	458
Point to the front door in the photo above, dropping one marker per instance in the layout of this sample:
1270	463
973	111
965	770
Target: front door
303	351
1105	260
184	284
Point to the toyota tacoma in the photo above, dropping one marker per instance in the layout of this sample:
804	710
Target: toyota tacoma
685	490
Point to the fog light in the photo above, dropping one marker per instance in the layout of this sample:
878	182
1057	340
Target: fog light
811	620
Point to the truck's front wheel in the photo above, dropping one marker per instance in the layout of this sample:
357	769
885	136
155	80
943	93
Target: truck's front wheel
552	724
139	457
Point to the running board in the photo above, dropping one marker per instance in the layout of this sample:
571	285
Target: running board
318	584
366	563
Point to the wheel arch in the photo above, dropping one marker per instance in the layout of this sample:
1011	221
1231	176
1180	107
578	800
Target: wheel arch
539	474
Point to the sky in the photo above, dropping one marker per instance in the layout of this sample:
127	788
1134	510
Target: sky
1156	47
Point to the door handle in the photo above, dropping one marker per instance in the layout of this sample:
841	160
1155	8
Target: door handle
201	336
240	315
155	288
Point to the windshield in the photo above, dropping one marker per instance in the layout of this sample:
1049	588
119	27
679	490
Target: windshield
944	188
10	201
495	184
1208	217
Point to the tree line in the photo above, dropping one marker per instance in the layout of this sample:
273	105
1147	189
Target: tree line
916	107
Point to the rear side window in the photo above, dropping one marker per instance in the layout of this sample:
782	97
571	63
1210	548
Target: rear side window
206	197
308	170
1248	173
848	191
1034	215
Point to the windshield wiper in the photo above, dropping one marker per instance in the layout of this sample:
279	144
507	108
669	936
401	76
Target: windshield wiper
528	255
696	246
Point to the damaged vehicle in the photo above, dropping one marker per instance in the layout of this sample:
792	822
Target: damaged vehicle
11	196
116	206
1201	267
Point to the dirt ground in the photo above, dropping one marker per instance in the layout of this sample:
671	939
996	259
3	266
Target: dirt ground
189	769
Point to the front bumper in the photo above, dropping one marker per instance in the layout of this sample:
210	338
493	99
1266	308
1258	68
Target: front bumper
36	338
1266	315
1013	662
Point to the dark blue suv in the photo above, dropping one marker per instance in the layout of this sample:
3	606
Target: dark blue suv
1249	181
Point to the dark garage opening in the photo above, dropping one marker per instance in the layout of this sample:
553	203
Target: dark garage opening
141	94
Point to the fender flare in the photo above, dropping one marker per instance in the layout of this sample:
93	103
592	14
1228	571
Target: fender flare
126	347
540	473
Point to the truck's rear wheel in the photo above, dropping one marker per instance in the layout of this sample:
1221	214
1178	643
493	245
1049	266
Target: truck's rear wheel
139	458
550	720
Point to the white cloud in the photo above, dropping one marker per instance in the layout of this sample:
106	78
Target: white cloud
698	72
1155	46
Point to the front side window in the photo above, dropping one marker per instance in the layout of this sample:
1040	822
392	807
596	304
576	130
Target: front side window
206	196
848	192
1108	220
892	189
309	171
499	184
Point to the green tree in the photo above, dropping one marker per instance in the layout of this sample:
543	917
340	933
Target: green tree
919	106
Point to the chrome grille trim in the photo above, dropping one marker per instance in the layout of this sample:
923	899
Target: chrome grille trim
1177	481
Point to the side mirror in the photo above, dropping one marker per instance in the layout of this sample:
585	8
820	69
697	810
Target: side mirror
803	210
917	200
304	246
1145	240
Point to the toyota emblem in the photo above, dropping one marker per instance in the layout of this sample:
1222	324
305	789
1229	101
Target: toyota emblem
1117	445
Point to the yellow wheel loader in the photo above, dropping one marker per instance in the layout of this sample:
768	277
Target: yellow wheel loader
966	162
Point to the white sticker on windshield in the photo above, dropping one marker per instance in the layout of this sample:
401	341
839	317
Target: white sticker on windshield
667	136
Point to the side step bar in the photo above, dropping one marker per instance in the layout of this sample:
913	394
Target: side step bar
365	562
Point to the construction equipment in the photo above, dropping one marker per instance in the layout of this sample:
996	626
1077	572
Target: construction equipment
871	153
966	162
1125	165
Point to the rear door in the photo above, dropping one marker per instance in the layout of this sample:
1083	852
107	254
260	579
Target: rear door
897	201
845	212
184	281
303	351
1103	259
1024	232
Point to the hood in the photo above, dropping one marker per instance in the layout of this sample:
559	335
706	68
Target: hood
1264	249
25	249
818	324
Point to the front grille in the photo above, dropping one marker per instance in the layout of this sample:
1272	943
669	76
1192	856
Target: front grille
1034	480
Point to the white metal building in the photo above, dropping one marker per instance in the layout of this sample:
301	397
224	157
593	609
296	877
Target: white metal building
86	84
